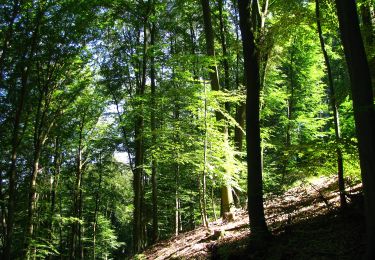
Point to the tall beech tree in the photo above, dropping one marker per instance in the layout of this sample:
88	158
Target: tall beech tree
334	107
363	105
253	140
226	190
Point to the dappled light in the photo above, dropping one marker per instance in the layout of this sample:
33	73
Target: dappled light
171	129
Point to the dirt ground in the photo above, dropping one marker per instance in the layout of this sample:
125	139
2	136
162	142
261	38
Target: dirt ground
305	222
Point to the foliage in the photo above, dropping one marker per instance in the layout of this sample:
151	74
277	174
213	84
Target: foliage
77	78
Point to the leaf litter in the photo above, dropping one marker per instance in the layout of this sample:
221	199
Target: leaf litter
305	221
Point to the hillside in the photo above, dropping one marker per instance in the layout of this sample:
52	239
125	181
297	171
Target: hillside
305	221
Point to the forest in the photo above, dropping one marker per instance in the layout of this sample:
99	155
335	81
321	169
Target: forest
126	123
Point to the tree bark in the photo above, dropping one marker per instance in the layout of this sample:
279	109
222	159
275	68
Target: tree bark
155	221
214	75
210	45
204	173
224	48
368	30
8	36
367	14
76	243
251	58
334	107
97	201
241	107
138	171
27	56
55	183
238	132
363	108
290	101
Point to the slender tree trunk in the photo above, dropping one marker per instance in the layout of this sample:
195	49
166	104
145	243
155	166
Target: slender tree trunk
75	246
214	75
238	131
213	202
97	201
41	131
204	173
367	15
241	107
177	199
223	41
226	192
8	35
265	44
255	191
138	171
155	221
177	168
12	181
61	241
289	112
363	105
209	34
81	227
368	27
202	206
38	136
19	109
334	107
32	201
3	214
55	183
290	101
13	165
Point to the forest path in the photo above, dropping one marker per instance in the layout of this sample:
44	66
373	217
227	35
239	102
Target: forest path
290	217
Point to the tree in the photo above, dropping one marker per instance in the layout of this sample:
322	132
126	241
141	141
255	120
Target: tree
254	158
226	190
334	107
363	106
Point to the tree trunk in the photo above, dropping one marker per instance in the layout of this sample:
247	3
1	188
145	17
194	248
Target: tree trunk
138	171
19	109
155	221
363	108
214	75
255	191
368	30
55	183
334	107
8	36
227	201
2	209
177	201
97	201
210	45
38	143
238	132
223	41
290	101
204	173
177	223
367	14
241	107
76	243
32	200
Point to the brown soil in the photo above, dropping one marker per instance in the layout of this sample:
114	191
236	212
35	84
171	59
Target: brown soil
305	222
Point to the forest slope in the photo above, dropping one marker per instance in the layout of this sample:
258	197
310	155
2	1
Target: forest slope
305	222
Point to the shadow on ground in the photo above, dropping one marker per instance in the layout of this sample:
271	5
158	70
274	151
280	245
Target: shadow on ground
305	222
332	235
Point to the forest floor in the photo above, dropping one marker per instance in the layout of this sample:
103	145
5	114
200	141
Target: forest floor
305	222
